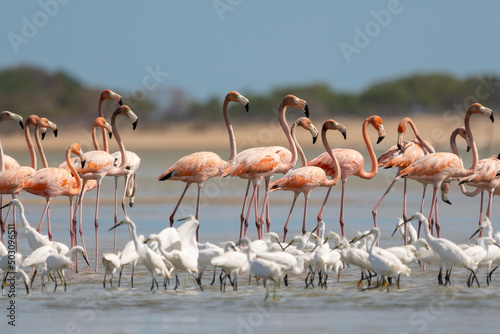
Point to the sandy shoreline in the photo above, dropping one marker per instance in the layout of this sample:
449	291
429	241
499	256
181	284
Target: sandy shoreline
187	136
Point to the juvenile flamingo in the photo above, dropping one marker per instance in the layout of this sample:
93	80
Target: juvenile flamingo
438	167
351	163
307	178
257	163
99	164
201	166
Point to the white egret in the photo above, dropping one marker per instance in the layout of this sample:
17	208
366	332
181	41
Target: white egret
128	255
356	257
56	263
232	261
450	253
111	263
37	259
266	270
151	260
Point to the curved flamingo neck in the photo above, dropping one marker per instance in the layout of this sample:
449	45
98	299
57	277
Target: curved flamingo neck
469	193
29	142
328	149
297	145
286	130
373	158
472	143
94	138
423	142
74	190
453	141
119	142
40	147
230	131
105	143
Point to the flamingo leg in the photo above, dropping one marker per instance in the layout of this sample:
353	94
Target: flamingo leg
481	211
374	211
260	228
285	229
433	204
2	222
45	211
96	224
178	203
200	185
48	219
405	216
265	208
242	215
252	201
128	179
341	220
72	227
320	214
306	197
116	213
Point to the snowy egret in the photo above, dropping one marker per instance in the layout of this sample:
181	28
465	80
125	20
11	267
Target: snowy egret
57	263
151	260
450	253
111	263
128	255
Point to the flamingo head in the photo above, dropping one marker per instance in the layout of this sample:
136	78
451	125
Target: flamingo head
234	96
5	115
127	112
401	132
45	123
308	125
102	123
77	150
477	108
293	101
108	94
333	125
378	124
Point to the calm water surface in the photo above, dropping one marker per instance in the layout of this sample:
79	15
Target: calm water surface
421	305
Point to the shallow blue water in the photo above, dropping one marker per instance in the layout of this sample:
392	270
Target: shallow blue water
420	305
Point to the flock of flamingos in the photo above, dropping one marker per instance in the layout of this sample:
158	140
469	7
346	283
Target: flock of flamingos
177	249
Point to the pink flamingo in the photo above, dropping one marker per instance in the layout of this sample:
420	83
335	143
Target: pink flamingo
307	178
106	94
11	180
351	163
99	164
262	162
438	167
201	166
51	182
401	156
90	184
7	162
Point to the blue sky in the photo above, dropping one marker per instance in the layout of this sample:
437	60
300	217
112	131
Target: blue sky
210	47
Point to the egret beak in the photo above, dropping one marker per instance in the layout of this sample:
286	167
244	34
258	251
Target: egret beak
279	243
112	228
291	242
6	205
147	240
86	259
477	231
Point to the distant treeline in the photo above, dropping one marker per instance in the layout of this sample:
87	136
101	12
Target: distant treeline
26	90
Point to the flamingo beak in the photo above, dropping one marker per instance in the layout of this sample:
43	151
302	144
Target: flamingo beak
306	110
21	124
344	133
492	118
120	102
110	135
380	139
246	106
43	135
55	133
134	125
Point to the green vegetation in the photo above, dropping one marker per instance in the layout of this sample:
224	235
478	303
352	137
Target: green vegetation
61	98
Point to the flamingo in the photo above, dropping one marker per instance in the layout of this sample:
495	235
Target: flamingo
306	178
90	184
438	167
257	163
201	166
486	178
133	161
11	180
401	156
99	164
351	163
51	182
7	162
